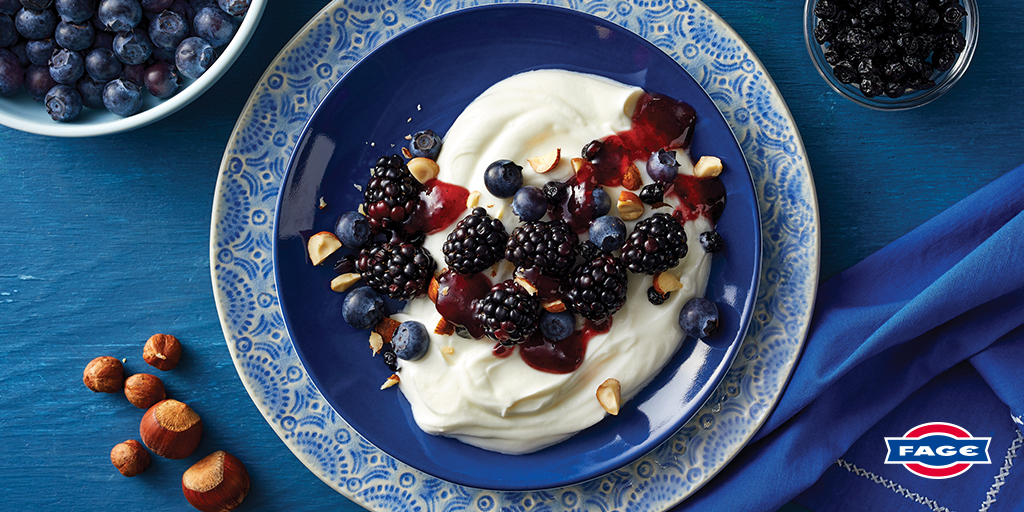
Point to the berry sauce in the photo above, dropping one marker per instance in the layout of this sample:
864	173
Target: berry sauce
698	197
441	204
563	356
457	296
658	122
501	351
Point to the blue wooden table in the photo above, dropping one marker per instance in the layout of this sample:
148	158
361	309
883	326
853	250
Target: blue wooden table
104	242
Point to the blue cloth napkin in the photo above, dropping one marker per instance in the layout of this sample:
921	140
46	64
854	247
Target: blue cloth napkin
928	329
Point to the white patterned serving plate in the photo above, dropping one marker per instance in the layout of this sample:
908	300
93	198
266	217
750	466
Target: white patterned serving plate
251	174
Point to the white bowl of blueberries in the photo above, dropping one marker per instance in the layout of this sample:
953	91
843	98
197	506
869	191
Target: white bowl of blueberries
82	68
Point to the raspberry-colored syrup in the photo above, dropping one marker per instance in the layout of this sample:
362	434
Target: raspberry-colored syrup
501	351
563	356
441	204
658	122
457	296
698	197
548	288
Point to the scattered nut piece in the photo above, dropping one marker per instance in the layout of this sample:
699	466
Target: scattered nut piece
217	483
528	286
708	167
444	327
609	394
448	350
104	374
432	290
361	209
630	206
577	164
130	457
500	214
423	169
323	204
545	163
553	305
473	199
632	179
144	390
376	342
665	282
162	351
344	281
405	151
171	429
321	245
392	380
386	328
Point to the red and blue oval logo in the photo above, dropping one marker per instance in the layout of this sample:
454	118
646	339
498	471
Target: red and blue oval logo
937	450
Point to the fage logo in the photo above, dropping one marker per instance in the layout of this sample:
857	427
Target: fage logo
937	450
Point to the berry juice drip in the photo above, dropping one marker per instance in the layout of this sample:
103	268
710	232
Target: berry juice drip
457	295
501	351
563	356
698	197
658	122
441	204
548	288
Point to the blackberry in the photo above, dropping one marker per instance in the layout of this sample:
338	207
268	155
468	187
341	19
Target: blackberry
655	245
508	313
396	269
711	241
657	298
555	191
391	194
390	359
547	246
477	242
597	288
653	194
587	250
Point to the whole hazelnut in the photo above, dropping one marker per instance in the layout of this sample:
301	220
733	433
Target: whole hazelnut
171	429
162	351
104	375
217	483
144	390
130	458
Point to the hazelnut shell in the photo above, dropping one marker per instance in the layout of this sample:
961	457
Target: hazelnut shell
104	374
130	457
162	351
144	390
171	429
217	483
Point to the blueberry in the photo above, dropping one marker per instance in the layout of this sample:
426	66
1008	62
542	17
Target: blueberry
11	73
503	178
63	103
608	233
662	166
92	92
122	97
10	6
352	229
602	202
73	36
38	81
119	15
8	32
168	30
345	264
529	204
235	7
194	56
711	241
699	318
67	66
35	25
156	5
19	51
214	25
426	144
410	340
134	73
557	326
363	308
656	298
36	5
103	40
102	65
75	11
162	55
133	47
162	80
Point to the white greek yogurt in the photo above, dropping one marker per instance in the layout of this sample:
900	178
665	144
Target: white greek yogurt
502	404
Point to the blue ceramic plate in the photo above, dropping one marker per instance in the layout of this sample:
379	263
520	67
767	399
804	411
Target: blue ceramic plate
430	73
241	247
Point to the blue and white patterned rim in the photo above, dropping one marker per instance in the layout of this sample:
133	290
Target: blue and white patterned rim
252	172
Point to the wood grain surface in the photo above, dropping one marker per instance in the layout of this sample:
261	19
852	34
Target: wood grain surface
104	241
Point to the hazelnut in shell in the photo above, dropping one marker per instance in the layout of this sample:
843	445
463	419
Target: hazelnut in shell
217	483
130	458
144	390
104	374
171	429
162	351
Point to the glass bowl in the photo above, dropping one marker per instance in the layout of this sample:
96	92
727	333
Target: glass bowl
943	81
